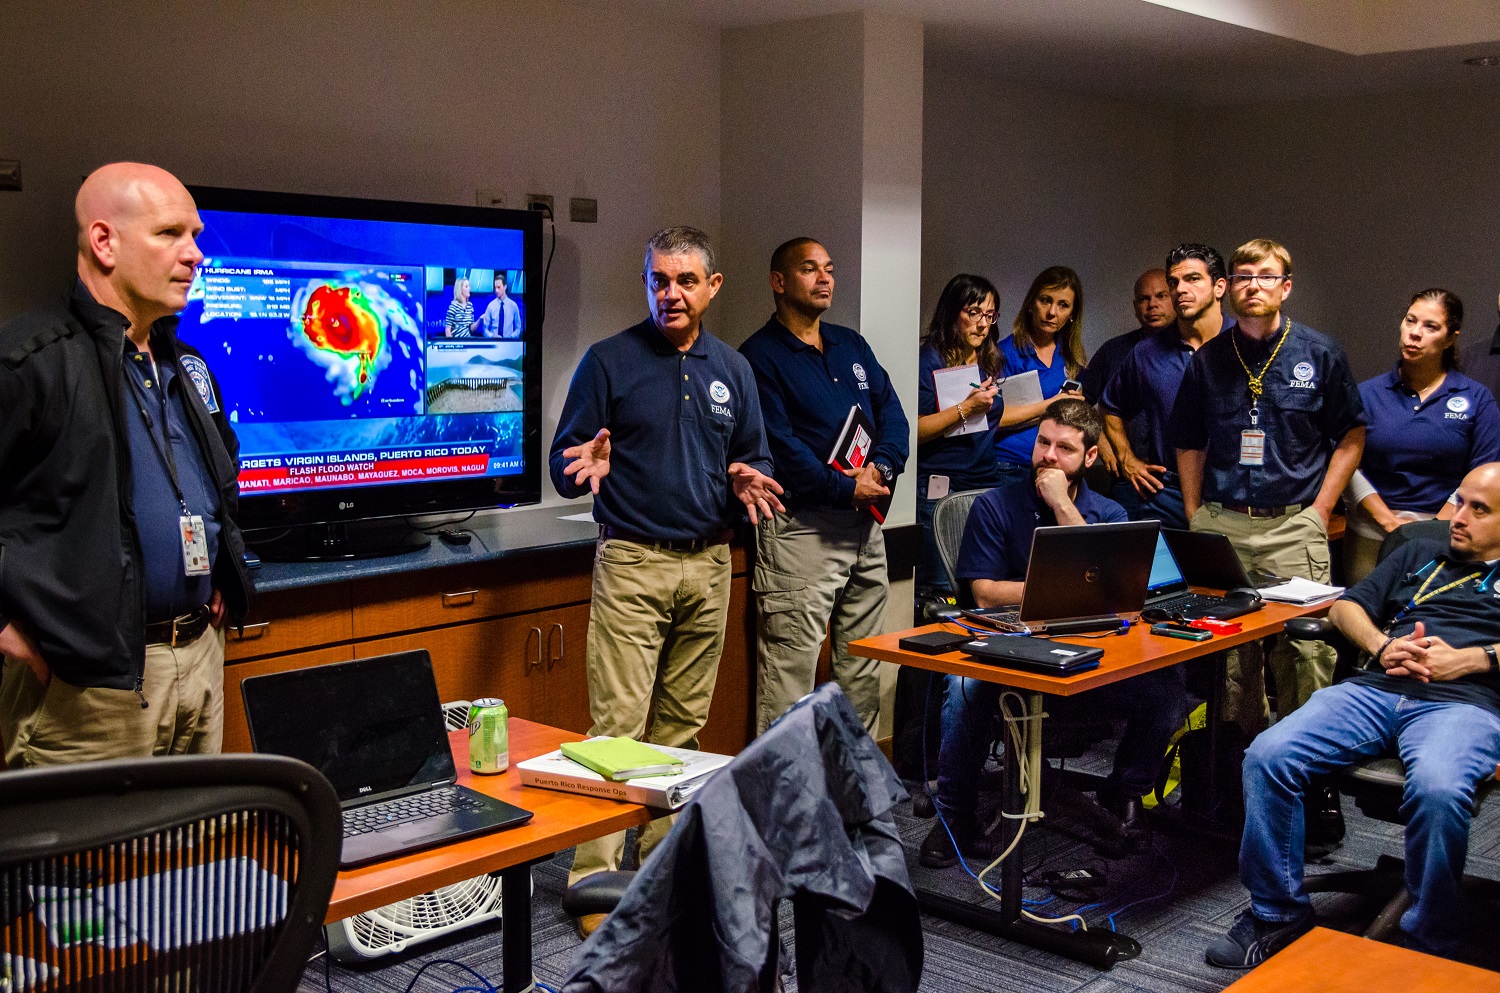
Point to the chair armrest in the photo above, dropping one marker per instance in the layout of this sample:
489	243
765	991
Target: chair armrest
1310	628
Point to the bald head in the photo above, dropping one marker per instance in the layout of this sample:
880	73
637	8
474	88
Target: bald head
1474	531
137	249
1153	300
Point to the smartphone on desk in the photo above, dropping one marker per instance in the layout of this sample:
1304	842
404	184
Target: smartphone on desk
1172	629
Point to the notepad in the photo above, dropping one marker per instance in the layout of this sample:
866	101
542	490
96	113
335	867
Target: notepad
1301	592
953	385
621	758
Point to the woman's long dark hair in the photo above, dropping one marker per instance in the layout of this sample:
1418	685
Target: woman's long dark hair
963	290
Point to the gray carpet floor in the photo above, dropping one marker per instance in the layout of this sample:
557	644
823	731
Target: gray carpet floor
1174	899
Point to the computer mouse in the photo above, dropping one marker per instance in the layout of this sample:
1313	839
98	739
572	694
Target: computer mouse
1244	593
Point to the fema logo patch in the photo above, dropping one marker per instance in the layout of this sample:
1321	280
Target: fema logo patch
1304	371
197	371
1458	405
719	392
859	372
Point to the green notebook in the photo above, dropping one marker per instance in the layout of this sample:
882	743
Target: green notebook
621	758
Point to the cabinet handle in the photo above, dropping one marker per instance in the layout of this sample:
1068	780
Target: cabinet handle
562	646
249	632
451	599
535	662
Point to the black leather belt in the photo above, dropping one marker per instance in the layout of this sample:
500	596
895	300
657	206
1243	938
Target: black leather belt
607	533
1248	511
178	631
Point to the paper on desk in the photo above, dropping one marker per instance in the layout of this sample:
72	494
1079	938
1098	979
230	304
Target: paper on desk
952	385
1301	592
1021	389
586	517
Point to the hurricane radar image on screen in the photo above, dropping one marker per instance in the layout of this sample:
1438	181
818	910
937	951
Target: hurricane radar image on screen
349	328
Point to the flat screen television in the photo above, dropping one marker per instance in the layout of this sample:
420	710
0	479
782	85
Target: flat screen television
378	360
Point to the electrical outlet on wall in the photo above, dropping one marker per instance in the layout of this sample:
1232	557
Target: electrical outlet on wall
539	201
489	198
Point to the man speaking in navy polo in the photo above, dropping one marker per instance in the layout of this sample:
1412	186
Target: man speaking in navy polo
663	425
822	563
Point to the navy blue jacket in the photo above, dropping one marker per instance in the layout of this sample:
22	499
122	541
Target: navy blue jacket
1310	402
676	421
805	396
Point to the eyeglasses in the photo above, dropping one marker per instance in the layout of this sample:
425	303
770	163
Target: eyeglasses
1264	280
980	316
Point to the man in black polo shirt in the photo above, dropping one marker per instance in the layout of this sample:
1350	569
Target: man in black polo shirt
663	425
119	554
820	565
1268	427
1428	620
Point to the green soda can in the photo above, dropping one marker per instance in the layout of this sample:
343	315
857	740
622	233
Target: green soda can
489	736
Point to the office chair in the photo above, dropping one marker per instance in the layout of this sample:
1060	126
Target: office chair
949	517
198	873
1378	785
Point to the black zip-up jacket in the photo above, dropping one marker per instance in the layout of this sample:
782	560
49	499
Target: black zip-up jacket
71	568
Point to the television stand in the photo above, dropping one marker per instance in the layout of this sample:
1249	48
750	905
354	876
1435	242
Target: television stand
336	542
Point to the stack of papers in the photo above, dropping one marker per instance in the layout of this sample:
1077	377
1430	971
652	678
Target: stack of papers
1301	592
953	385
555	771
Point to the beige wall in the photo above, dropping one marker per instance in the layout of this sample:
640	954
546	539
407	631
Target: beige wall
377	99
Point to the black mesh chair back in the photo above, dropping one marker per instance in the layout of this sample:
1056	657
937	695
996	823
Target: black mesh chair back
949	517
200	873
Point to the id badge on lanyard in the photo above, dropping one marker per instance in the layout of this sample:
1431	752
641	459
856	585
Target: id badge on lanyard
194	545
1253	441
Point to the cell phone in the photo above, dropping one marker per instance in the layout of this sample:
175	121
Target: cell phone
1182	631
1072	386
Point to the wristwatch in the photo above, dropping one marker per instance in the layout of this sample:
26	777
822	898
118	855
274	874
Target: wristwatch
1489	653
887	474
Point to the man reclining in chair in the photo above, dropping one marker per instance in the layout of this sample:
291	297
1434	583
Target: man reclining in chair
992	560
1428	619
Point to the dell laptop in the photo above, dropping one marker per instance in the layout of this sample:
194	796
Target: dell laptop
374	727
1081	578
1168	590
1209	560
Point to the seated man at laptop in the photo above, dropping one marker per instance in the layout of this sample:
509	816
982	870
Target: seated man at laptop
1428	620
992	560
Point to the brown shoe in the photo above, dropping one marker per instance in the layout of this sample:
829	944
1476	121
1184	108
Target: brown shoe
588	924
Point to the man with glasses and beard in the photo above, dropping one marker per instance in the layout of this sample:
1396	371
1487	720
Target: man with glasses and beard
992	561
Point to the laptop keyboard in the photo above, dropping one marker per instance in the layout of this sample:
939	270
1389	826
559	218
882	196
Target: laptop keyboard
1187	601
373	817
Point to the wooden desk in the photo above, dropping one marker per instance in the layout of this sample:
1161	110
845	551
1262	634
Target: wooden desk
562	820
1324	961
1136	652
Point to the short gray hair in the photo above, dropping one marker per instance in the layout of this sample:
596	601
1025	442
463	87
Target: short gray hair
680	241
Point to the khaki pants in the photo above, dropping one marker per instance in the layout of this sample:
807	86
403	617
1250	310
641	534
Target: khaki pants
1288	545
656	630
61	723
816	570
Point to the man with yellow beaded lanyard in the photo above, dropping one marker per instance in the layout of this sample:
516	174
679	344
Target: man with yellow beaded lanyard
1268	427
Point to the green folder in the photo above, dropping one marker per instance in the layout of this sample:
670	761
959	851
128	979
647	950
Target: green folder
621	758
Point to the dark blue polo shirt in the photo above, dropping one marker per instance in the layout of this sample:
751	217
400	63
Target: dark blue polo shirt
1417	452
1101	370
968	460
1310	402
170	592
805	396
1145	386
997	538
1015	446
1465	617
676	421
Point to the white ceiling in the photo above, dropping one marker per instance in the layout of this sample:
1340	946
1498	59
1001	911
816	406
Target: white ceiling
1180	51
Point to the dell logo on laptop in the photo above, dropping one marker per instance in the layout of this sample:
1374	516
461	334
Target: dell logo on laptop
365	789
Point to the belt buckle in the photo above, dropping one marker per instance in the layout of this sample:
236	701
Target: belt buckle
175	620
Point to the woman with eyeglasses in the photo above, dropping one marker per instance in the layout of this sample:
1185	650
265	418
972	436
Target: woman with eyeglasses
1046	337
960	334
1429	424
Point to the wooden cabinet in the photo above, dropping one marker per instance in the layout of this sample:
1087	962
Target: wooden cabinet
514	628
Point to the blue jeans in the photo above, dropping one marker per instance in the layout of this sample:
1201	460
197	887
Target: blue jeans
1010	472
1164	505
930	570
1448	749
1153	704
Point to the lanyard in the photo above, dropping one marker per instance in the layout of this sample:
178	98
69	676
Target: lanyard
164	453
1422	596
1257	379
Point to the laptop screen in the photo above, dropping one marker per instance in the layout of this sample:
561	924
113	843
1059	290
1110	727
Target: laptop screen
371	726
1164	571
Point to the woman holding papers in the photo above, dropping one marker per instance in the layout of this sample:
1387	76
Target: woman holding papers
1428	425
1046	341
956	393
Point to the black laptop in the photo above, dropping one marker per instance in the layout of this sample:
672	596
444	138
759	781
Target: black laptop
1169	590
1050	658
1081	578
1208	559
375	728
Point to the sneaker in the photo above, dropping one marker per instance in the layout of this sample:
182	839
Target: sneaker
1251	940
